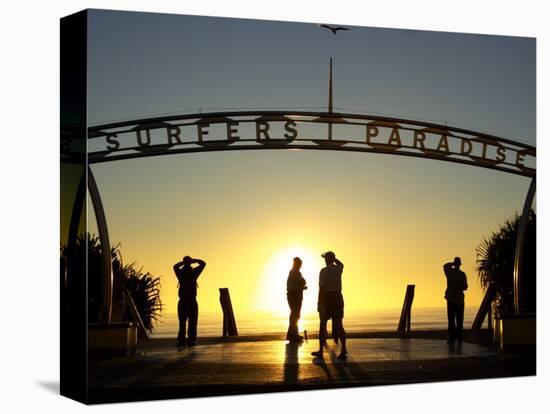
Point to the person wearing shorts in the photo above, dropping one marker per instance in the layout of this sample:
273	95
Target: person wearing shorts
330	304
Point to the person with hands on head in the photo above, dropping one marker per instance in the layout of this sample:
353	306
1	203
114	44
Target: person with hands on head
457	283
188	308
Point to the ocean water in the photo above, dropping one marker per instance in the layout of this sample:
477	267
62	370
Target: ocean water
255	323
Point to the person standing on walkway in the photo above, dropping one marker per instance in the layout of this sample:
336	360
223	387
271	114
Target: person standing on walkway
188	308
456	285
295	286
331	303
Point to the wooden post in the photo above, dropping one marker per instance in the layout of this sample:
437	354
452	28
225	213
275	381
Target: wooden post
405	320
229	324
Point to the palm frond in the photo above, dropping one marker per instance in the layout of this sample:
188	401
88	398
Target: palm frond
495	261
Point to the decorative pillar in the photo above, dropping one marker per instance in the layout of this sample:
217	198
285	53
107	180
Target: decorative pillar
520	245
107	297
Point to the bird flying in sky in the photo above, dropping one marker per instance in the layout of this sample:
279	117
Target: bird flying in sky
333	29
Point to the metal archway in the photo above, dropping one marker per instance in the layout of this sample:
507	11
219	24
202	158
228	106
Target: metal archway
255	130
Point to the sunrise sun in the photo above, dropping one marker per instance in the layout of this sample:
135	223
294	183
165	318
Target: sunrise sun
275	273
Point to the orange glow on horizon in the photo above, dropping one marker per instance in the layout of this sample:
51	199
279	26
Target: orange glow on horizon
388	229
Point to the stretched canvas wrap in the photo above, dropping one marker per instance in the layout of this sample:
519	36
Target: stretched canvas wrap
262	206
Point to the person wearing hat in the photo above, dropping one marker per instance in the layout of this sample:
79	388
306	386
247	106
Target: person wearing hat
331	302
454	294
188	308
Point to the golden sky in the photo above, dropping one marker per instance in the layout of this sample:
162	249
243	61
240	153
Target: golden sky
393	221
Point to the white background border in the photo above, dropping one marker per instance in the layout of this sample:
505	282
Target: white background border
29	217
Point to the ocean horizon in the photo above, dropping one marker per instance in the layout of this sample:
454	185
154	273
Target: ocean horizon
267	322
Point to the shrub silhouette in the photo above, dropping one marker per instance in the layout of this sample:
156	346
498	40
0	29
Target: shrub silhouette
144	288
495	264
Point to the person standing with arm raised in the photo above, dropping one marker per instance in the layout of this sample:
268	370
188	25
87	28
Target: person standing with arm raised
331	303
188	308
457	283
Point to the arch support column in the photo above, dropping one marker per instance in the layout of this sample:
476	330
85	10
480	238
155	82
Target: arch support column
520	247
105	308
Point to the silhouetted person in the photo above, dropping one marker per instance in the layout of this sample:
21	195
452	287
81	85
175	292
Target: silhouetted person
295	286
188	308
456	285
331	303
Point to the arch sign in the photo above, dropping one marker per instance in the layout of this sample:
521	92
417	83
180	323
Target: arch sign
304	130
247	130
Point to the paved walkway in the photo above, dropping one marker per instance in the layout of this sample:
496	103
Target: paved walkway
161	371
280	352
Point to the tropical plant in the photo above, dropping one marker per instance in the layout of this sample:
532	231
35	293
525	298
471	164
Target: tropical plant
143	288
495	264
